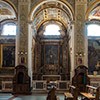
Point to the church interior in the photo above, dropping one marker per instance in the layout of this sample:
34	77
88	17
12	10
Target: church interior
49	49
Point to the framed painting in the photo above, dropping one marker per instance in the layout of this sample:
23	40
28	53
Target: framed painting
8	55
51	54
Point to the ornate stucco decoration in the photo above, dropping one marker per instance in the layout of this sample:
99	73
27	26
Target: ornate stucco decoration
51	10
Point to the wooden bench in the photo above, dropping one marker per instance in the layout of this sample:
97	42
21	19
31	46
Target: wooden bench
92	93
52	94
72	94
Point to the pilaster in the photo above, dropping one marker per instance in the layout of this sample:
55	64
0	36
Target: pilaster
0	56
22	36
80	48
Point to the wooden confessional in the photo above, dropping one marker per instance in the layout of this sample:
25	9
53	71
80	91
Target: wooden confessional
81	79
21	80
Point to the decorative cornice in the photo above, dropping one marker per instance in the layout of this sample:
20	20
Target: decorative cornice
3	41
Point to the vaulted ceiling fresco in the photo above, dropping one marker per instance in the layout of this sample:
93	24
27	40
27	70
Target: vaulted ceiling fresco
6	11
95	13
52	11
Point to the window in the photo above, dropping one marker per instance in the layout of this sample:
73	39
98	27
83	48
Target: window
52	29
93	30
9	29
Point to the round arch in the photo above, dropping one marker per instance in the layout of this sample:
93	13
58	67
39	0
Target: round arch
92	5
49	21
12	5
45	1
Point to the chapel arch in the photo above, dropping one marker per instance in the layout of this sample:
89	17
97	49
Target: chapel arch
92	6
8	19
43	14
93	22
41	2
8	5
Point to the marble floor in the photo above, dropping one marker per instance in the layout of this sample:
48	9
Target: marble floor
28	97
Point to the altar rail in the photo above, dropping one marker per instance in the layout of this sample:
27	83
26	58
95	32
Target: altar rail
6	86
94	80
6	83
43	85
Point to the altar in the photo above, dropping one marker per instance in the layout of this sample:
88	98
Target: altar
51	77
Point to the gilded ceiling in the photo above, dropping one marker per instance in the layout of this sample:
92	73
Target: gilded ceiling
52	11
47	11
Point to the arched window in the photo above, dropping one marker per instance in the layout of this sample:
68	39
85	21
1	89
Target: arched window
93	29
52	29
9	29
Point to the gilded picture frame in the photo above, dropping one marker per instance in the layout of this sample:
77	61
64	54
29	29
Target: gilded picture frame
7	55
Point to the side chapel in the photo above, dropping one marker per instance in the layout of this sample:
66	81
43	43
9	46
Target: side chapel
51	38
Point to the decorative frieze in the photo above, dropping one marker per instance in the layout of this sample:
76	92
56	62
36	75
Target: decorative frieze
3	41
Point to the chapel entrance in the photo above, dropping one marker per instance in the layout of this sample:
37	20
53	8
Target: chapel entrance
51	58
